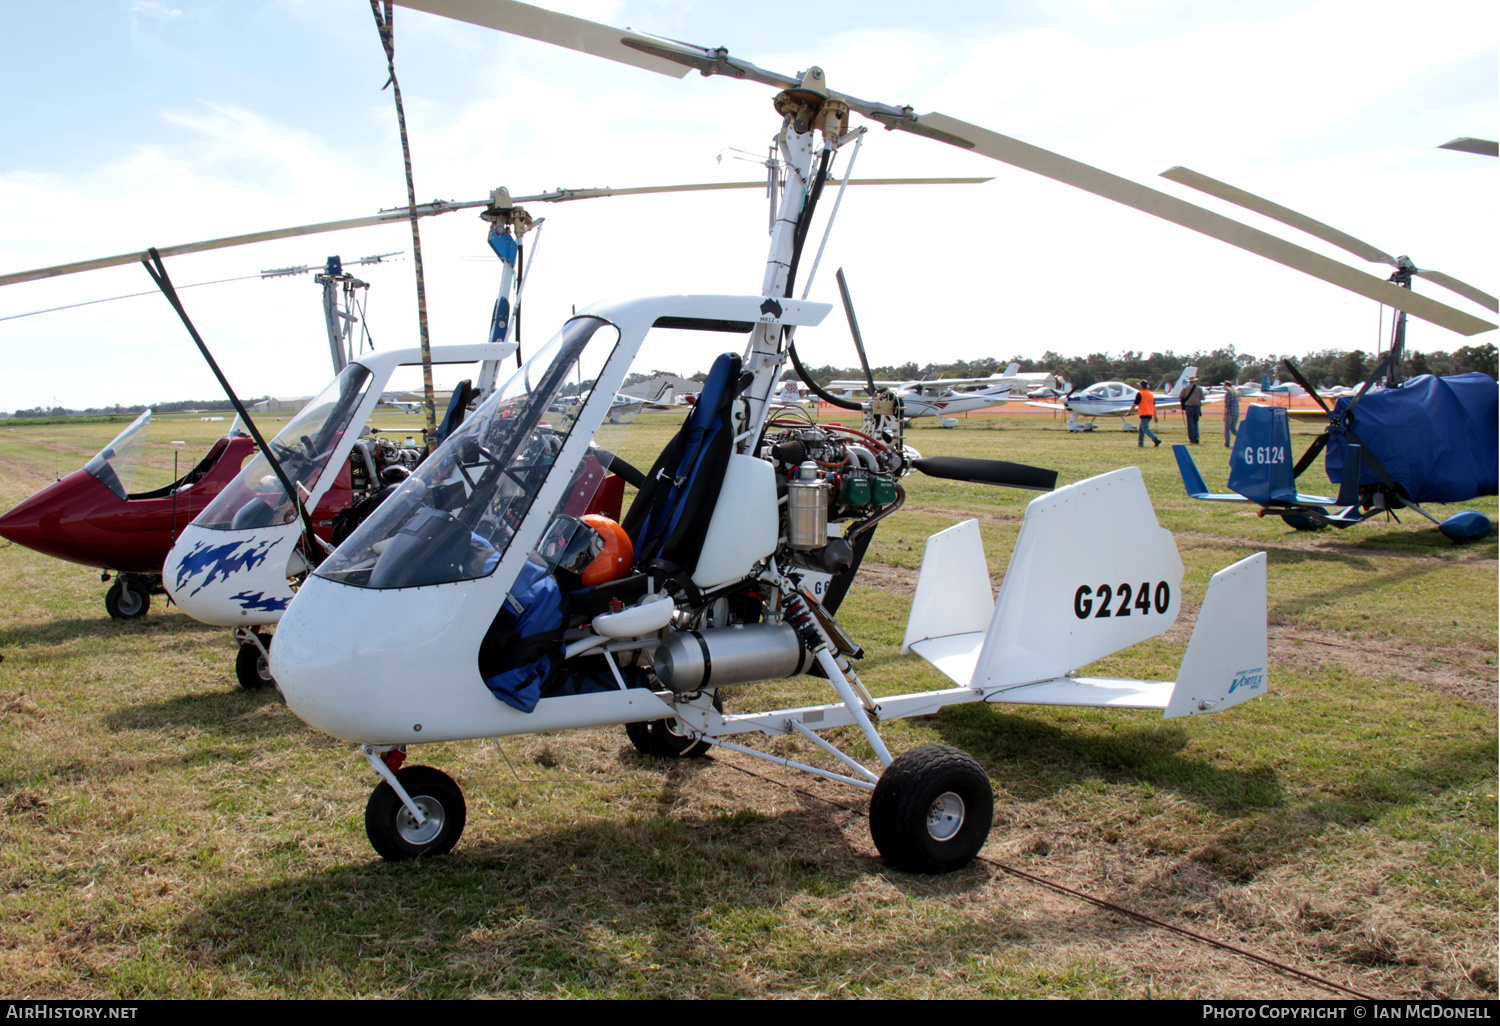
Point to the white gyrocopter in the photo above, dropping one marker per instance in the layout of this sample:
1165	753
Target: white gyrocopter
532	598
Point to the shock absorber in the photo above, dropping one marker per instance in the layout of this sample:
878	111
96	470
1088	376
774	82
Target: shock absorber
797	614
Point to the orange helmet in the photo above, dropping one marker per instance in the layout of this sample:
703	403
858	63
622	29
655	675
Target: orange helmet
617	556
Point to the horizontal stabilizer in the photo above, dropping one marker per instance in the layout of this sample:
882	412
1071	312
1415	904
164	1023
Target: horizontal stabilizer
1093	692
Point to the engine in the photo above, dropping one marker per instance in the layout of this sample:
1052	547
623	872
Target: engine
830	475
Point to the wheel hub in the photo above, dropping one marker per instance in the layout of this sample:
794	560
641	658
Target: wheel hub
410	831
945	816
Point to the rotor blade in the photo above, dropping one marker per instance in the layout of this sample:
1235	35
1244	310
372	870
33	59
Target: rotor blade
550	27
396	214
1318	229
564	195
657	53
859	343
1466	144
1170	208
128	295
1277	212
1462	288
384	217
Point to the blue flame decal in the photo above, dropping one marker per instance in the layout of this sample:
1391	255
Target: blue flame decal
220	561
259	601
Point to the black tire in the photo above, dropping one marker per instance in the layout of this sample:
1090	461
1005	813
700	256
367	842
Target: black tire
252	669
931	811
1301	522
640	736
127	600
659	738
392	829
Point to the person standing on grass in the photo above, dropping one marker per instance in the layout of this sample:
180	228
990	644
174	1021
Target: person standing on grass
1231	414
1146	400
1192	405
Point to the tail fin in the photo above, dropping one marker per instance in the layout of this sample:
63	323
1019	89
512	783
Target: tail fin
1188	373
1261	465
1192	480
1011	370
1092	573
1265	382
1225	662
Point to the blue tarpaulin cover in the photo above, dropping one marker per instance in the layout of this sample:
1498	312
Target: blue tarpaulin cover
1439	438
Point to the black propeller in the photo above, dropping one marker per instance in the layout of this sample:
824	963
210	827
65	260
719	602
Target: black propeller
990	472
859	343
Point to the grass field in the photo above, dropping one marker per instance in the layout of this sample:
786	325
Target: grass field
163	833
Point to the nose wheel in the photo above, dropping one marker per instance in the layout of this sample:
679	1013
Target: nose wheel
397	834
127	598
252	666
931	810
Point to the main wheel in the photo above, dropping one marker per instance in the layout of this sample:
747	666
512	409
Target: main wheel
660	738
251	668
126	600
394	832
1301	522
931	810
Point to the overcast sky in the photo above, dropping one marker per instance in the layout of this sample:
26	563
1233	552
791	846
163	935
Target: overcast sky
129	123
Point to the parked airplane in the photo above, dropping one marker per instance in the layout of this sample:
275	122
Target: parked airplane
1115	399
939	397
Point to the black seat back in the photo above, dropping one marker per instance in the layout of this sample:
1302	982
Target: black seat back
669	518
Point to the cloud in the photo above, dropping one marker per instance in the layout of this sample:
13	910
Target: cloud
154	9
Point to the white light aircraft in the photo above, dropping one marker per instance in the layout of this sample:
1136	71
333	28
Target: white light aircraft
1116	399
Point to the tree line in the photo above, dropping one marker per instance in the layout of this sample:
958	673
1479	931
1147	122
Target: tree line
1322	368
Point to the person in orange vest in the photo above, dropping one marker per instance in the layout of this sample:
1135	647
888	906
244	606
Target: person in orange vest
1146	400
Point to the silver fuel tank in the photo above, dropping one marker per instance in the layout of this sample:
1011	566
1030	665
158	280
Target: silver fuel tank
693	660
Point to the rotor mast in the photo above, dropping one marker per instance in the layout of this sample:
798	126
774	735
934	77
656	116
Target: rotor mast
806	109
1404	271
508	224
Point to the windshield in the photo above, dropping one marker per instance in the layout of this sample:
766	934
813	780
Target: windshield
454	517
116	463
303	448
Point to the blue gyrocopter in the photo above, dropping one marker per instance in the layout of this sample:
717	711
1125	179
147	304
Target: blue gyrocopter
1429	439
